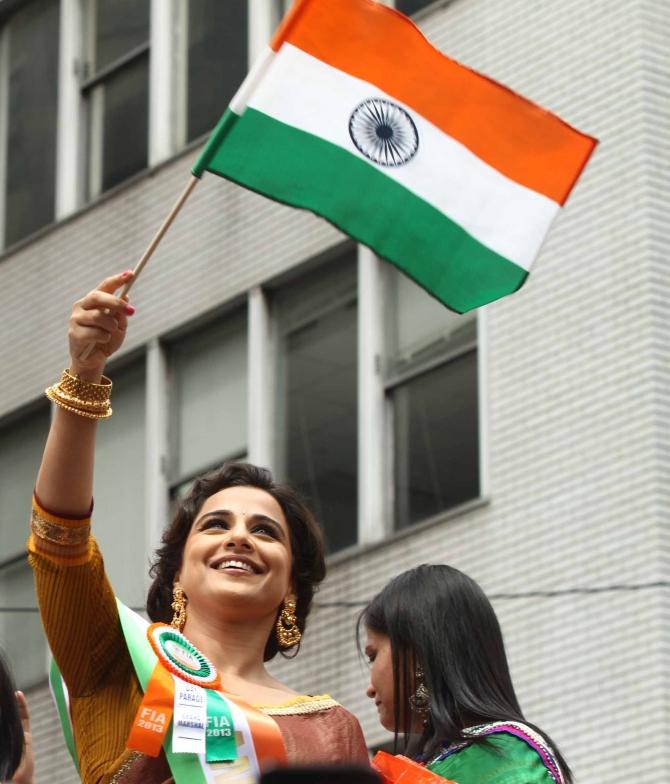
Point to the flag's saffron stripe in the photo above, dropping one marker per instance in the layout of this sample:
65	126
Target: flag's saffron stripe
310	95
365	39
298	168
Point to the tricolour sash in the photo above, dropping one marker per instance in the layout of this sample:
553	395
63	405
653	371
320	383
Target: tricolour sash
208	736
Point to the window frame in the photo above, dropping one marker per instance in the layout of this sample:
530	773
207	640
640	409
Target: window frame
91	91
35	409
258	25
77	185
395	378
6	606
344	298
19	558
174	479
9	9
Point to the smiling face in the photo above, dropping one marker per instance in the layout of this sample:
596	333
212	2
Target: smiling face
237	559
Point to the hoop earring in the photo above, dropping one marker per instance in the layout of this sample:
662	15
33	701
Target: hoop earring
179	602
419	702
288	632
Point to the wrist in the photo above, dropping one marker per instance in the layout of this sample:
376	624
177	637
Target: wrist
92	375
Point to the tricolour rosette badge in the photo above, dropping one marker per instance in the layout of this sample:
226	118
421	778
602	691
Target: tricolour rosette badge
181	658
182	691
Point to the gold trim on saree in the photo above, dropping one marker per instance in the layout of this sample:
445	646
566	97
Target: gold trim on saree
59	533
300	705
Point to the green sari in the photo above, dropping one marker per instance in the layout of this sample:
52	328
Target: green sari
516	754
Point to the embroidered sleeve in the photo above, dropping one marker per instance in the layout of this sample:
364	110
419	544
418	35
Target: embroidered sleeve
62	539
76	601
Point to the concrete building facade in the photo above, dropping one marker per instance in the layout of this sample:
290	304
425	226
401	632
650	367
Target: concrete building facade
526	445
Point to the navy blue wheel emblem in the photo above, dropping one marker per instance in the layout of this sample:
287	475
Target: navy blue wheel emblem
384	132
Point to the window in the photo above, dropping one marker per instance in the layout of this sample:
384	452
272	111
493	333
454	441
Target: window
21	636
316	319
116	87
431	381
30	94
411	7
208	370
118	518
217	59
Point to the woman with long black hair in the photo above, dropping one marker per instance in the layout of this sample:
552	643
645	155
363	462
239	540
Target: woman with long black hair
439	676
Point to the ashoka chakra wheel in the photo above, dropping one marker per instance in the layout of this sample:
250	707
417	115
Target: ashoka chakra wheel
383	132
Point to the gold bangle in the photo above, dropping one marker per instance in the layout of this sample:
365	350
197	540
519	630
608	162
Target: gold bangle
82	397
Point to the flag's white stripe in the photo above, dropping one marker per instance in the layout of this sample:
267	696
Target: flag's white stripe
306	93
238	102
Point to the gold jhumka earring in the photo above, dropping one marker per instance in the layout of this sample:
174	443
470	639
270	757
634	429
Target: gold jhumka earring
419	702
288	632
178	605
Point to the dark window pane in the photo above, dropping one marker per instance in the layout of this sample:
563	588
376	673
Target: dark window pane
120	26
418	327
21	634
217	59
318	406
410	7
32	106
209	373
436	440
125	123
21	447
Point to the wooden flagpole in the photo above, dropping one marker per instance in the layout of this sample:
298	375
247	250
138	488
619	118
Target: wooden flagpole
148	253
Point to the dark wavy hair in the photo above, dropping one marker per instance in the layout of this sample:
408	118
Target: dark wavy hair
438	618
308	568
12	740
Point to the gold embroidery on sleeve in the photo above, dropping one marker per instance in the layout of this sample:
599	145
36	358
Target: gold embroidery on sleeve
59	534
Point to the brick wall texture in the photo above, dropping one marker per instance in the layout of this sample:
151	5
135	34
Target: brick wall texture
576	383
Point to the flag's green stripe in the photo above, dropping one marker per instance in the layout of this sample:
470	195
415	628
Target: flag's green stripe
302	170
56	681
215	140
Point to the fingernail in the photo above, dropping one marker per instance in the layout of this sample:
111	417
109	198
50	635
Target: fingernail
129	310
126	274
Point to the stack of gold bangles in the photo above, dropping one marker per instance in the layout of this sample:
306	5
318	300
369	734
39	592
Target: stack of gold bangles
82	397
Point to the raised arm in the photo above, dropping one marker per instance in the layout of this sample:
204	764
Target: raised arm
65	480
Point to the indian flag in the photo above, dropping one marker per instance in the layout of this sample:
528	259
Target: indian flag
351	113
